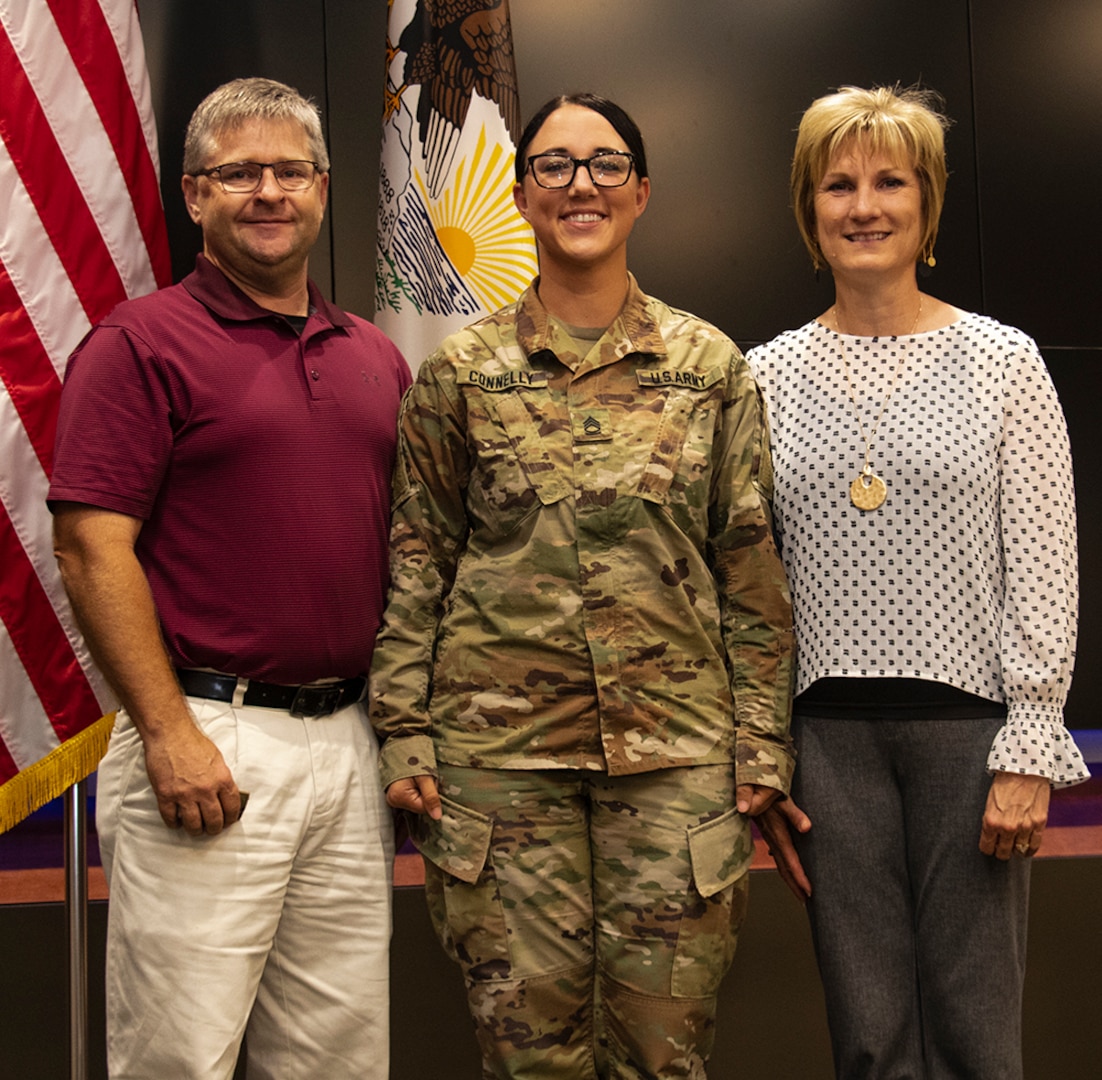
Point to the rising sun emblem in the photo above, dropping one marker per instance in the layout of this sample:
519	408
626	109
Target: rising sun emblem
479	228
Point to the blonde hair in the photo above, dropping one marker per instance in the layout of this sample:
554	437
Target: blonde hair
235	103
905	124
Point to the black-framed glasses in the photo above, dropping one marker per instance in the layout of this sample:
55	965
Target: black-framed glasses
244	177
557	170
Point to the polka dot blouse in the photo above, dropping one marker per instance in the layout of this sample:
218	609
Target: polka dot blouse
967	573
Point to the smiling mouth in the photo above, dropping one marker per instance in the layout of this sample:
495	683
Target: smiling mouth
583	216
855	237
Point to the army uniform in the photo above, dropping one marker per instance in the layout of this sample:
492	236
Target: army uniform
589	642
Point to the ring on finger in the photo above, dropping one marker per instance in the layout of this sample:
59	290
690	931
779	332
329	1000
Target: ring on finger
1022	847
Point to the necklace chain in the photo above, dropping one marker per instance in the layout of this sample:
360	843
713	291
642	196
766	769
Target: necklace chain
868	491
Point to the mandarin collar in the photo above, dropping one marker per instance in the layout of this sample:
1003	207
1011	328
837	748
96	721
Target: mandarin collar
634	330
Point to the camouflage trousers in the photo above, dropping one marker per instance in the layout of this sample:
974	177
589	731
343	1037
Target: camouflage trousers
593	916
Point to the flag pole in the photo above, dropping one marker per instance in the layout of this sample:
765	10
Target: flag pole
76	909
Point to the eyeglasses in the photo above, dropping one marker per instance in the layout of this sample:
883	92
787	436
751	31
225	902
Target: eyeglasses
557	170
244	177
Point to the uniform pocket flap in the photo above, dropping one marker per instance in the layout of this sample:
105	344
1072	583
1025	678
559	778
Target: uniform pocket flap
458	843
721	851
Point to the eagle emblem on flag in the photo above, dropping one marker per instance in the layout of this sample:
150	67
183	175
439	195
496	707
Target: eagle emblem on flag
451	243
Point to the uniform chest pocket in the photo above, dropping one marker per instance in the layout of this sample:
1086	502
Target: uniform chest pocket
515	464
681	454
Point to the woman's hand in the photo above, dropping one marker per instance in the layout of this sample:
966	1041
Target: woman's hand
417	794
1016	815
775	824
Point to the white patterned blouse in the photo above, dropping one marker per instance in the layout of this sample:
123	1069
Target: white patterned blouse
967	573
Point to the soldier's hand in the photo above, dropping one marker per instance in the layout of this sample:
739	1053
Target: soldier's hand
417	794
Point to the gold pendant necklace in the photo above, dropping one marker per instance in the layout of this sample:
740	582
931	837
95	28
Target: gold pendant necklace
868	491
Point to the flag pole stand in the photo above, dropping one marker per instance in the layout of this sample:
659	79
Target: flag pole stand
76	910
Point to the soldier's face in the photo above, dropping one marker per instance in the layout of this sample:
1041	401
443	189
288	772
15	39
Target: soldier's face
583	224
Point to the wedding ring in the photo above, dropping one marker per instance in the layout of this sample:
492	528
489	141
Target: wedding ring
1021	848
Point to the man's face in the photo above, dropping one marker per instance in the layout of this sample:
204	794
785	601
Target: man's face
268	232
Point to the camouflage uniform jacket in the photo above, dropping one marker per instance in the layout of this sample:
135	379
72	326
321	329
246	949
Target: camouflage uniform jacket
583	572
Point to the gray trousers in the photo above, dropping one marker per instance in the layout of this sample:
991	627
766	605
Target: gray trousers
920	938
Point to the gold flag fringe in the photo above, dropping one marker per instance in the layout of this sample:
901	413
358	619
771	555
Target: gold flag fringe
47	778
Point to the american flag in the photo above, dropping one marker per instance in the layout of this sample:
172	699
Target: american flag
82	229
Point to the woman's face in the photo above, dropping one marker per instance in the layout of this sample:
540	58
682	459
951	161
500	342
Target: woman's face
581	225
868	213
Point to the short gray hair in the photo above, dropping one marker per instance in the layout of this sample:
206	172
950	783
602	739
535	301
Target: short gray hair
236	103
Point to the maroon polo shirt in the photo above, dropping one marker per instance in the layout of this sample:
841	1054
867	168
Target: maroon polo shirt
259	461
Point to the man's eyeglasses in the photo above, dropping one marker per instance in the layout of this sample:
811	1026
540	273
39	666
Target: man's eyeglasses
244	177
557	170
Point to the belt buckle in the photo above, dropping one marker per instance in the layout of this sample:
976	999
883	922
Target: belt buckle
316	701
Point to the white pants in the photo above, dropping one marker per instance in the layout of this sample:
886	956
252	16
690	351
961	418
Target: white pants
281	922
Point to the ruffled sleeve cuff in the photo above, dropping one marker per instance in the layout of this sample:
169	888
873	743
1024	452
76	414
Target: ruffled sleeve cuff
1037	746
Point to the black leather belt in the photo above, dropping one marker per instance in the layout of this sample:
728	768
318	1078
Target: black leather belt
320	699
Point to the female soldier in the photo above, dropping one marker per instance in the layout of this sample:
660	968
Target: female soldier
588	639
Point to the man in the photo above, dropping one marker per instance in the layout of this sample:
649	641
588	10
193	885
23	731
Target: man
221	499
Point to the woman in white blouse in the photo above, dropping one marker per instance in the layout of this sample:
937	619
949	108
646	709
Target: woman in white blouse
925	510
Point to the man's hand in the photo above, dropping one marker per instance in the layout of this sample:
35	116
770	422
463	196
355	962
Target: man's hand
194	787
775	824
417	794
1016	815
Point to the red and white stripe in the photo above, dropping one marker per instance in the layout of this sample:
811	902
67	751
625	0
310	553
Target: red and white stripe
82	229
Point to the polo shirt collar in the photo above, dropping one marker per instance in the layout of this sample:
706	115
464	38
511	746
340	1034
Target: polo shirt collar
214	290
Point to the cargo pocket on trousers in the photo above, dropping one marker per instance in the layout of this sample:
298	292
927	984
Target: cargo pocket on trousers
720	851
461	889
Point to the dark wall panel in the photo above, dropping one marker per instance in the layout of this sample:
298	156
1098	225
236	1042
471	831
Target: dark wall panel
718	90
355	38
1038	76
1077	374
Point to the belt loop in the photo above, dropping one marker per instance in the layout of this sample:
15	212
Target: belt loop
239	693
